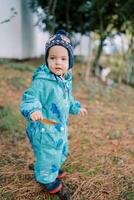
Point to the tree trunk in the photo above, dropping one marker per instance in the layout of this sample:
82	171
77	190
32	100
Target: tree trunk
131	45
98	55
88	68
123	62
51	9
67	15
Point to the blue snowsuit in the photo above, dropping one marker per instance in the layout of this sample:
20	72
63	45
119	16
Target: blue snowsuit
52	96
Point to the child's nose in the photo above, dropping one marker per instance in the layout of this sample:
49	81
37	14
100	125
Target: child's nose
58	61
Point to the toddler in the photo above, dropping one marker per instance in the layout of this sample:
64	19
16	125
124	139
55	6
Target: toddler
50	96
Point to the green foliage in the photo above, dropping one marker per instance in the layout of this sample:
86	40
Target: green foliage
9	122
80	60
86	15
127	195
21	66
3	61
6	195
116	71
114	135
117	160
106	18
81	169
18	82
129	72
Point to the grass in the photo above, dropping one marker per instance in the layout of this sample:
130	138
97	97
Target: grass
114	135
4	61
18	83
21	67
9	122
127	195
6	196
100	164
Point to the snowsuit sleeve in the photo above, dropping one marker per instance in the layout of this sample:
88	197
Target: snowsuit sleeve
74	104
30	99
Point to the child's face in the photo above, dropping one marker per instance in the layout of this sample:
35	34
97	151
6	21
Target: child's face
58	60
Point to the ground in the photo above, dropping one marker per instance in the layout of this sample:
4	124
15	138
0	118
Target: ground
100	165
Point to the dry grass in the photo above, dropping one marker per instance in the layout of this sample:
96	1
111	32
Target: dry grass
101	161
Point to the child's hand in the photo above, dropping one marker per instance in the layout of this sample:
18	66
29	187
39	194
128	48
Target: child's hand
37	115
83	112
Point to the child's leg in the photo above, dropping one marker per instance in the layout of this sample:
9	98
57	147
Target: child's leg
64	152
47	164
62	174
50	153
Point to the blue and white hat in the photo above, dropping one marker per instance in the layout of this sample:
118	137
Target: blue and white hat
60	38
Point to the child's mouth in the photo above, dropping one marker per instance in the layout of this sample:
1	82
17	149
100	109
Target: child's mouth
58	68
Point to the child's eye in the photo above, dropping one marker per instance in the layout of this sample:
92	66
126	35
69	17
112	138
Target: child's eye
64	58
52	58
